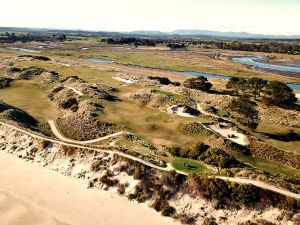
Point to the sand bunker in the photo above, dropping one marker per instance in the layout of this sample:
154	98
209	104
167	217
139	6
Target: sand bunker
125	80
180	111
228	132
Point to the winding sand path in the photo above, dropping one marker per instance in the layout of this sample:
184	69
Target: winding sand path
168	168
238	138
260	184
57	133
75	90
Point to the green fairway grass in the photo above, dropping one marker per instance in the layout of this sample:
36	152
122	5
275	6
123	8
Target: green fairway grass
194	166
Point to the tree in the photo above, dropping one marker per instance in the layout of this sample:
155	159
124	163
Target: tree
237	85
198	83
246	109
278	93
255	86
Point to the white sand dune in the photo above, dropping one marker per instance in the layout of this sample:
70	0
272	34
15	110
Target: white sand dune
47	197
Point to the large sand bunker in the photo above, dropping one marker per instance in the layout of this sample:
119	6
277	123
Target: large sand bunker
228	132
184	111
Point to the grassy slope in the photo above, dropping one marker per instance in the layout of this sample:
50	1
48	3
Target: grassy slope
30	97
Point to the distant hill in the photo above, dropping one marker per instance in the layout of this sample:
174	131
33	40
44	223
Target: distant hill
210	33
147	33
232	34
206	34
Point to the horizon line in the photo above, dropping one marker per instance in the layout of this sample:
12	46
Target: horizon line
142	30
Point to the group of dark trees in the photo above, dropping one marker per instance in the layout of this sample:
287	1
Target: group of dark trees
164	80
271	93
280	46
211	156
12	37
199	83
248	114
192	152
130	41
176	46
270	47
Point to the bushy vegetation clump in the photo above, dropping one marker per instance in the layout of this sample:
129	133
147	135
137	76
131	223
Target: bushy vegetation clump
228	193
199	83
162	80
191	152
70	103
220	158
278	93
37	57
271	93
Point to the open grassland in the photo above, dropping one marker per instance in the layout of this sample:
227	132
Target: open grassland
178	61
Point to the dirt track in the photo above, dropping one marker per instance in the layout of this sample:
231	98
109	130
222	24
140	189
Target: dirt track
168	168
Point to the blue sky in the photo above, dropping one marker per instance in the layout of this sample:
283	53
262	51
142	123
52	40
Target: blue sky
255	16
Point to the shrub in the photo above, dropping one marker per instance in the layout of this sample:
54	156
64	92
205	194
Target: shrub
168	211
187	219
175	83
174	151
245	193
137	171
209	221
57	89
68	150
45	143
137	195
162	80
184	152
70	103
105	179
121	189
220	158
159	204
15	69
193	152
209	188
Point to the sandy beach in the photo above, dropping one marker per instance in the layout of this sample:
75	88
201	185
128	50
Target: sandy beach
30	194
